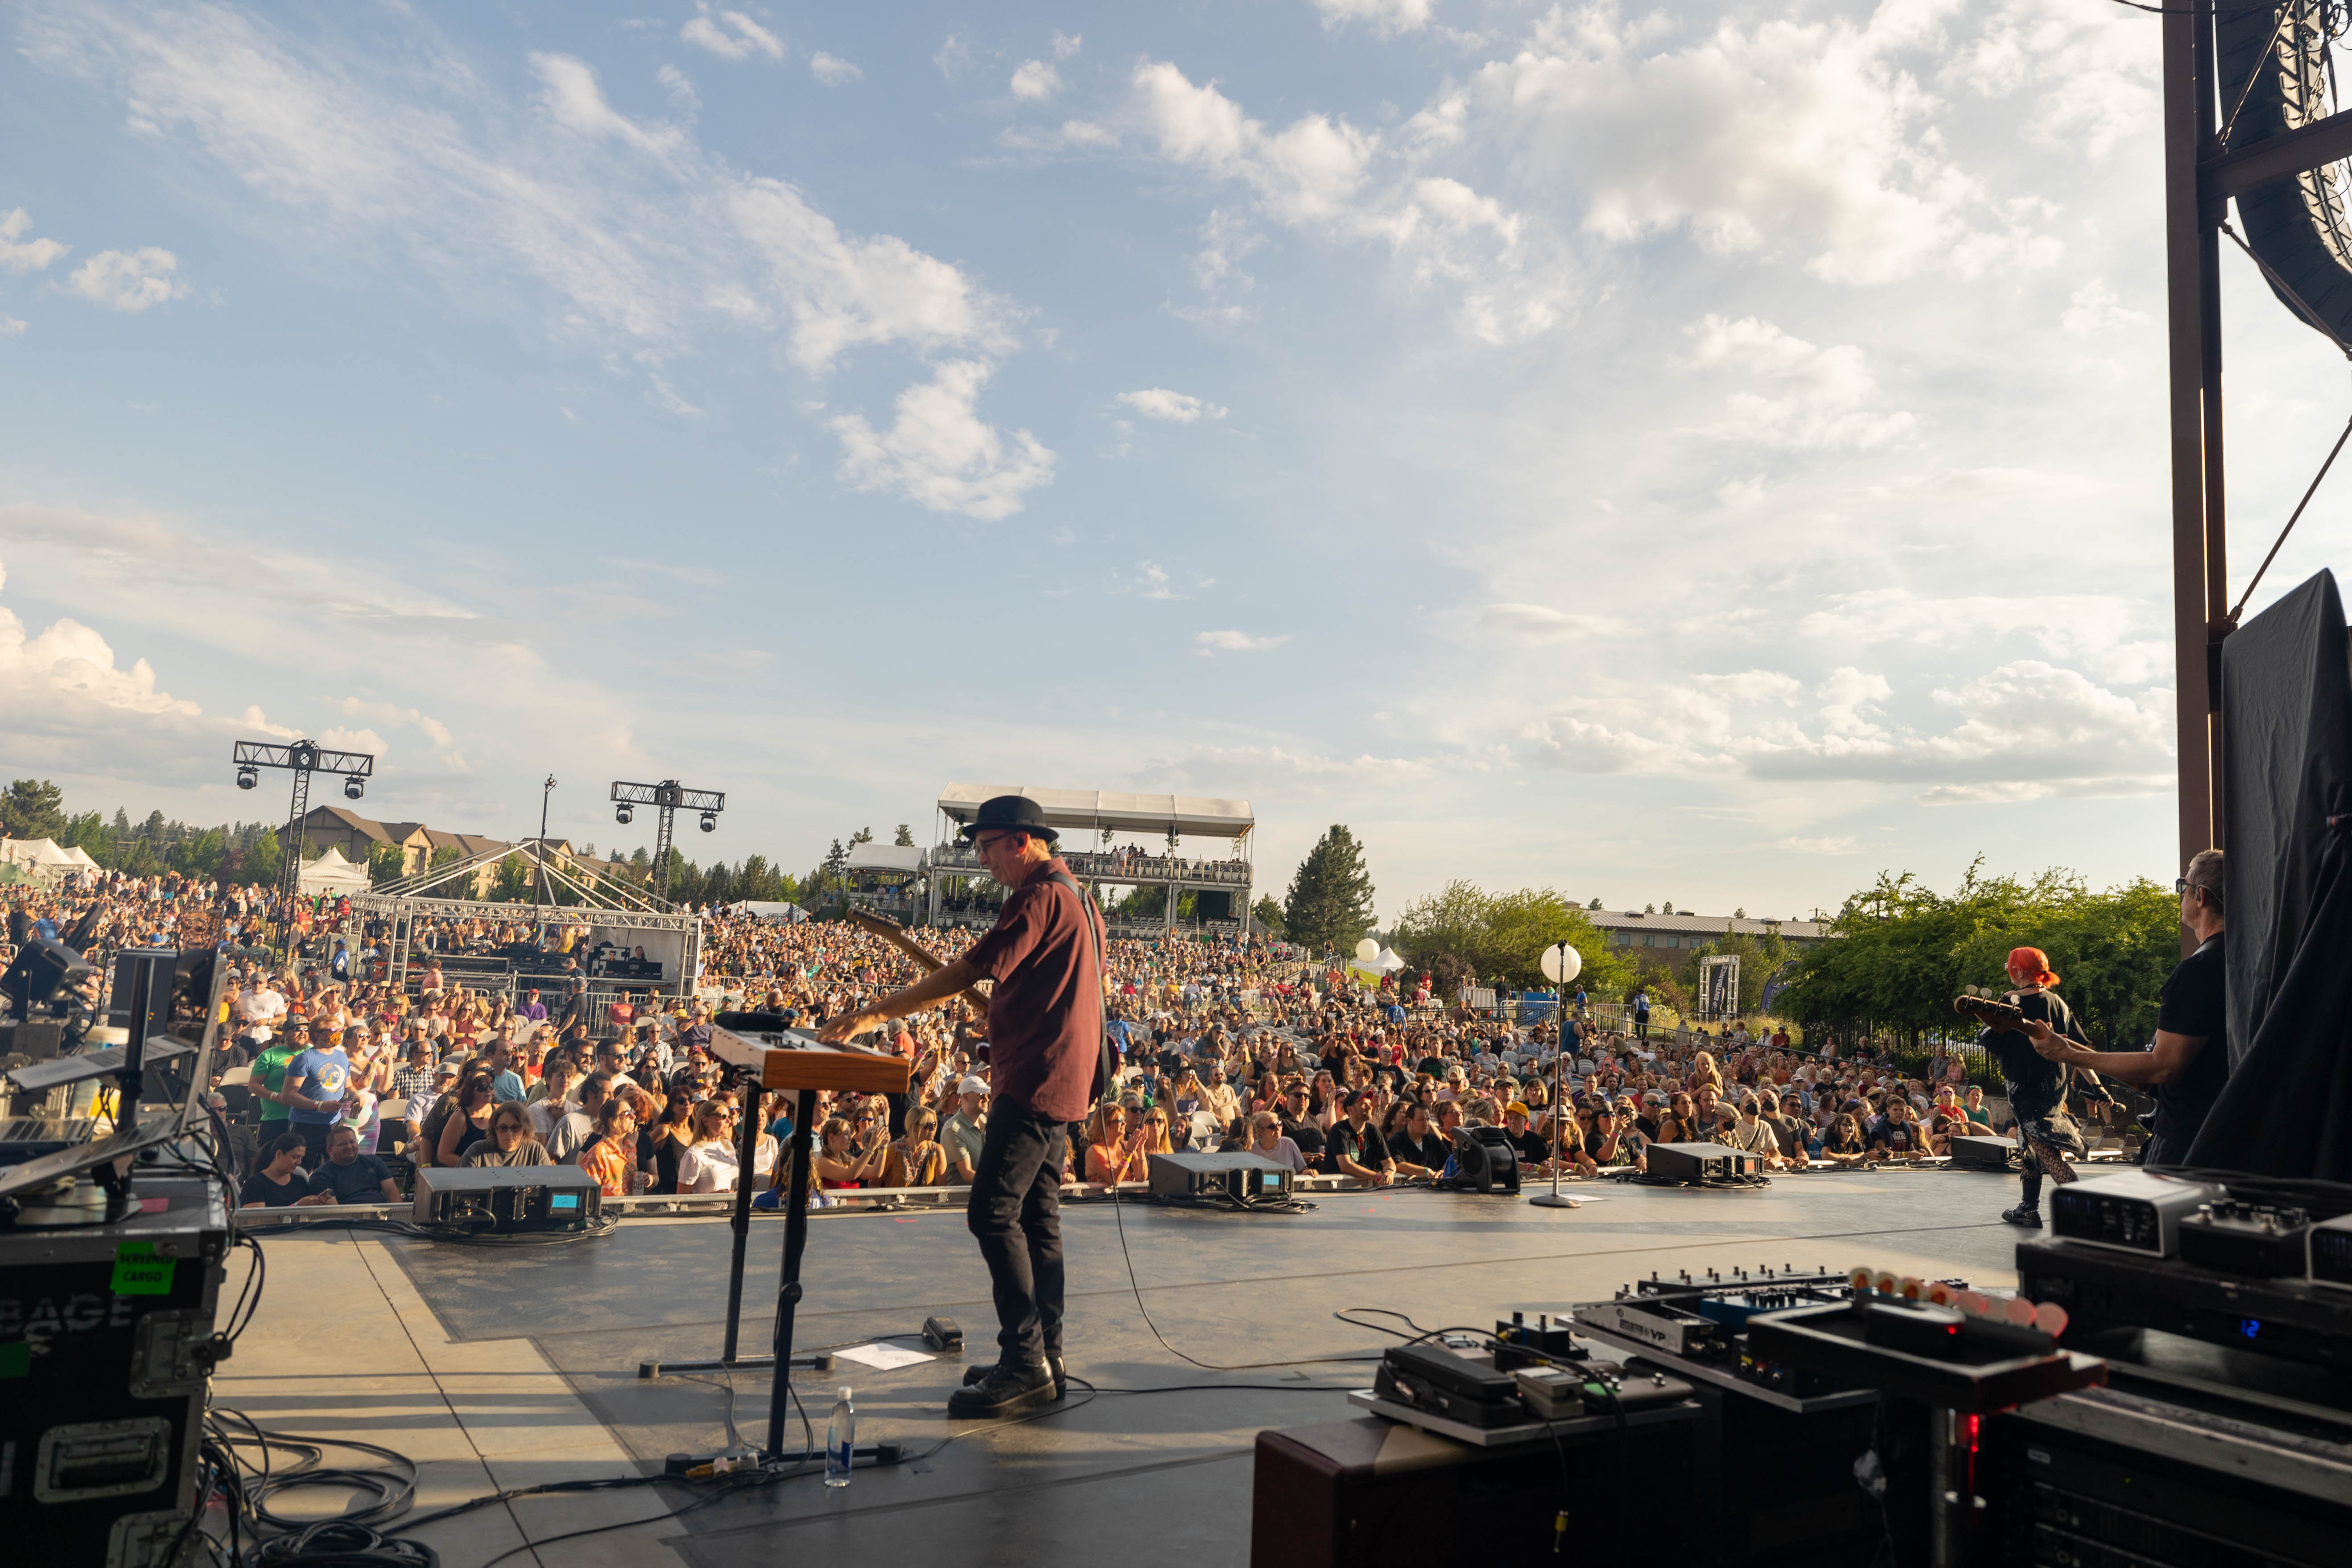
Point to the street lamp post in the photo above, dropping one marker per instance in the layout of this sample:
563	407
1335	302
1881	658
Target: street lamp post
539	891
1561	963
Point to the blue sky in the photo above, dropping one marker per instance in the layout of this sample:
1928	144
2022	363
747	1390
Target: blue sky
1696	454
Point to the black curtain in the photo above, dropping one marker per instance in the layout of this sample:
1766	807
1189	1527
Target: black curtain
2286	757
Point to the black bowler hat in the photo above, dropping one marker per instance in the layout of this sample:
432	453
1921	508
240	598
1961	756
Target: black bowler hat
1009	813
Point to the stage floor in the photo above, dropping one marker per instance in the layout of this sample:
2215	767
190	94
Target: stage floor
506	1368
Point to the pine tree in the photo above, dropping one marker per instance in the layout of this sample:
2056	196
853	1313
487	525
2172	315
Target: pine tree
33	809
906	839
1330	899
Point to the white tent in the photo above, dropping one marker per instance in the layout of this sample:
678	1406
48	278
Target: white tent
1385	961
80	858
766	909
331	873
39	858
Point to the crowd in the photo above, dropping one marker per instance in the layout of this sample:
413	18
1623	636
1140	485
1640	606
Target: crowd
333	1067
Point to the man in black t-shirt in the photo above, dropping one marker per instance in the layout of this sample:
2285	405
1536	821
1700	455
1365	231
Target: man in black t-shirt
1354	1147
1290	1109
1421	1151
2189	1060
350	1177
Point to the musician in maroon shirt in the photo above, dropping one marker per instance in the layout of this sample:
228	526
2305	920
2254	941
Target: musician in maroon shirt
1046	1056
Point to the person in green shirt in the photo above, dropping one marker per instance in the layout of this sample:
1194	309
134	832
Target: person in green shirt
268	1080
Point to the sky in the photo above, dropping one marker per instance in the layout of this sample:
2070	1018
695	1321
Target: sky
1706	455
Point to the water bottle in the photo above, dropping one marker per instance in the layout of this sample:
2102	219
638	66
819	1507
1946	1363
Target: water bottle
840	1441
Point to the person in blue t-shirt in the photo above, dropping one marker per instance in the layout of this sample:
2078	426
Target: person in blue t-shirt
314	1094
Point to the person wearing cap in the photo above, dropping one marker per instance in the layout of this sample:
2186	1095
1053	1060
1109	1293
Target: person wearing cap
966	1132
1045	1067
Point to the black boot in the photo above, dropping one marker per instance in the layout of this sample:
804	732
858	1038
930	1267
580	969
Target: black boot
1003	1391
2025	1214
972	1375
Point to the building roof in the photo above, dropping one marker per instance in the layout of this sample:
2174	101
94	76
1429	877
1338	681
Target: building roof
872	857
1183	814
463	843
352	822
1705	925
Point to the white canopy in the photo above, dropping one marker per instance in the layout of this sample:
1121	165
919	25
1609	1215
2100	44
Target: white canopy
81	857
885	857
331	873
1385	961
768	909
1189	816
39	858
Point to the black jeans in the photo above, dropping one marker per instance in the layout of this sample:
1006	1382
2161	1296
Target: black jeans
1015	1213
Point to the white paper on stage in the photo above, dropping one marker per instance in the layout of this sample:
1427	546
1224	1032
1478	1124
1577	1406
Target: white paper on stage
882	1358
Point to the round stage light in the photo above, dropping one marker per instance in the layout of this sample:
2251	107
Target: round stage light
710	823
621	814
1562	963
1367	951
353	788
247	778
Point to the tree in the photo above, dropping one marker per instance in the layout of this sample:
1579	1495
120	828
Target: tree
906	839
384	864
513	882
264	863
1267	915
1902	951
33	809
1593	905
1464	932
863	835
1330	899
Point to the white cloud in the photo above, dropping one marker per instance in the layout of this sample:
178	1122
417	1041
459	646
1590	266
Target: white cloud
1033	81
445	743
680	87
1388	18
1795	134
939	453
1237	642
20	255
2094	66
1840	845
1819	399
619	232
1542	623
2026	727
2094	308
67	667
731	35
2092	628
338	737
954	56
1327	176
130	280
572	94
12	326
1067	44
667	395
832	69
1175	407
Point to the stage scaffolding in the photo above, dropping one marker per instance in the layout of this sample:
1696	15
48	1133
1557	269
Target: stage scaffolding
605	904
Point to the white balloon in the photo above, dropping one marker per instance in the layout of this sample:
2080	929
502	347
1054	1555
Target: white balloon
1562	963
1368	950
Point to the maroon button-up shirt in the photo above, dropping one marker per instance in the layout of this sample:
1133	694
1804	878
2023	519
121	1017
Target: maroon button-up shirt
1045	1012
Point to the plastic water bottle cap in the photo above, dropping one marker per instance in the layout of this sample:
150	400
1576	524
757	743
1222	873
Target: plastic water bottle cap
844	1392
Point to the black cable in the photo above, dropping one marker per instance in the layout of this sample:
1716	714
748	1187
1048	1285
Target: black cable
1119	1212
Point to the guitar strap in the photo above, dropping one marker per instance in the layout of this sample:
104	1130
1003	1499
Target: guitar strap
1104	1069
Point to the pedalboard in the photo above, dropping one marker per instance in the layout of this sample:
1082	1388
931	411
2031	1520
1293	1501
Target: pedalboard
2265	1241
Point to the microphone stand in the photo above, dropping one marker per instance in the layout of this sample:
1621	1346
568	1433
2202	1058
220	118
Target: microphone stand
1556	1199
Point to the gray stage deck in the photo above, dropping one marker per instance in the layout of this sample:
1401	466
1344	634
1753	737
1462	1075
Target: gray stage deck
1144	1478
